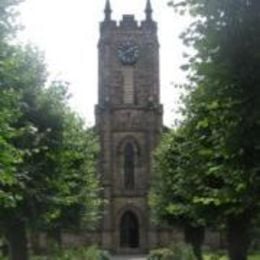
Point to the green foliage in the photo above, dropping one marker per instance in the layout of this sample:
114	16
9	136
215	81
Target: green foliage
209	165
22	73
63	163
172	193
47	156
161	254
176	252
8	14
91	253
207	171
86	253
77	202
222	257
215	257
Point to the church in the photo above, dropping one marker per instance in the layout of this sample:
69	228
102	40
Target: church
129	124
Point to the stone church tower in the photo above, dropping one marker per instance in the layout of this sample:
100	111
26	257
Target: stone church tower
129	123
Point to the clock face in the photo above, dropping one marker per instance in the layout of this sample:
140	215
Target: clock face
128	53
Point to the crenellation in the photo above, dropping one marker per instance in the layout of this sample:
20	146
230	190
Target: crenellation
128	23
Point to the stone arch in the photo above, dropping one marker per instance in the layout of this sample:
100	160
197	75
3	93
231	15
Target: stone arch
135	209
133	141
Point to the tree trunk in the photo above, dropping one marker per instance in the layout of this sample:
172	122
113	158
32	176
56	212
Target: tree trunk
35	242
17	240
195	237
238	237
4	249
54	239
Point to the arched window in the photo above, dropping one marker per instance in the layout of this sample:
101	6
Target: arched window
129	166
129	231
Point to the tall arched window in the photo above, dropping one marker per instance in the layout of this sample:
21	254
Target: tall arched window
129	166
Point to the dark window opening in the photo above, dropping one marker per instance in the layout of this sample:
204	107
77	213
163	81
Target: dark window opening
129	167
129	231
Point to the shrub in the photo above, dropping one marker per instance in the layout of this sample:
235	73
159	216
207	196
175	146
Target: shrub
105	255
161	254
183	252
90	253
217	257
175	252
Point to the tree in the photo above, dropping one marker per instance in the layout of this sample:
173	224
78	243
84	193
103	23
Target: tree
9	112
175	184
77	202
55	171
41	177
222	116
22	75
8	25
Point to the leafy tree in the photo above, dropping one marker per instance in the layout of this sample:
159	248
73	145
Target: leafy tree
221	129
8	25
47	156
9	112
56	173
174	185
77	203
22	80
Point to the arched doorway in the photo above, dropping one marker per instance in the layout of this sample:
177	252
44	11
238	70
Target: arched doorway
129	231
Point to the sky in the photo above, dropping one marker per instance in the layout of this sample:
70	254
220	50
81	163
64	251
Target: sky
67	31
